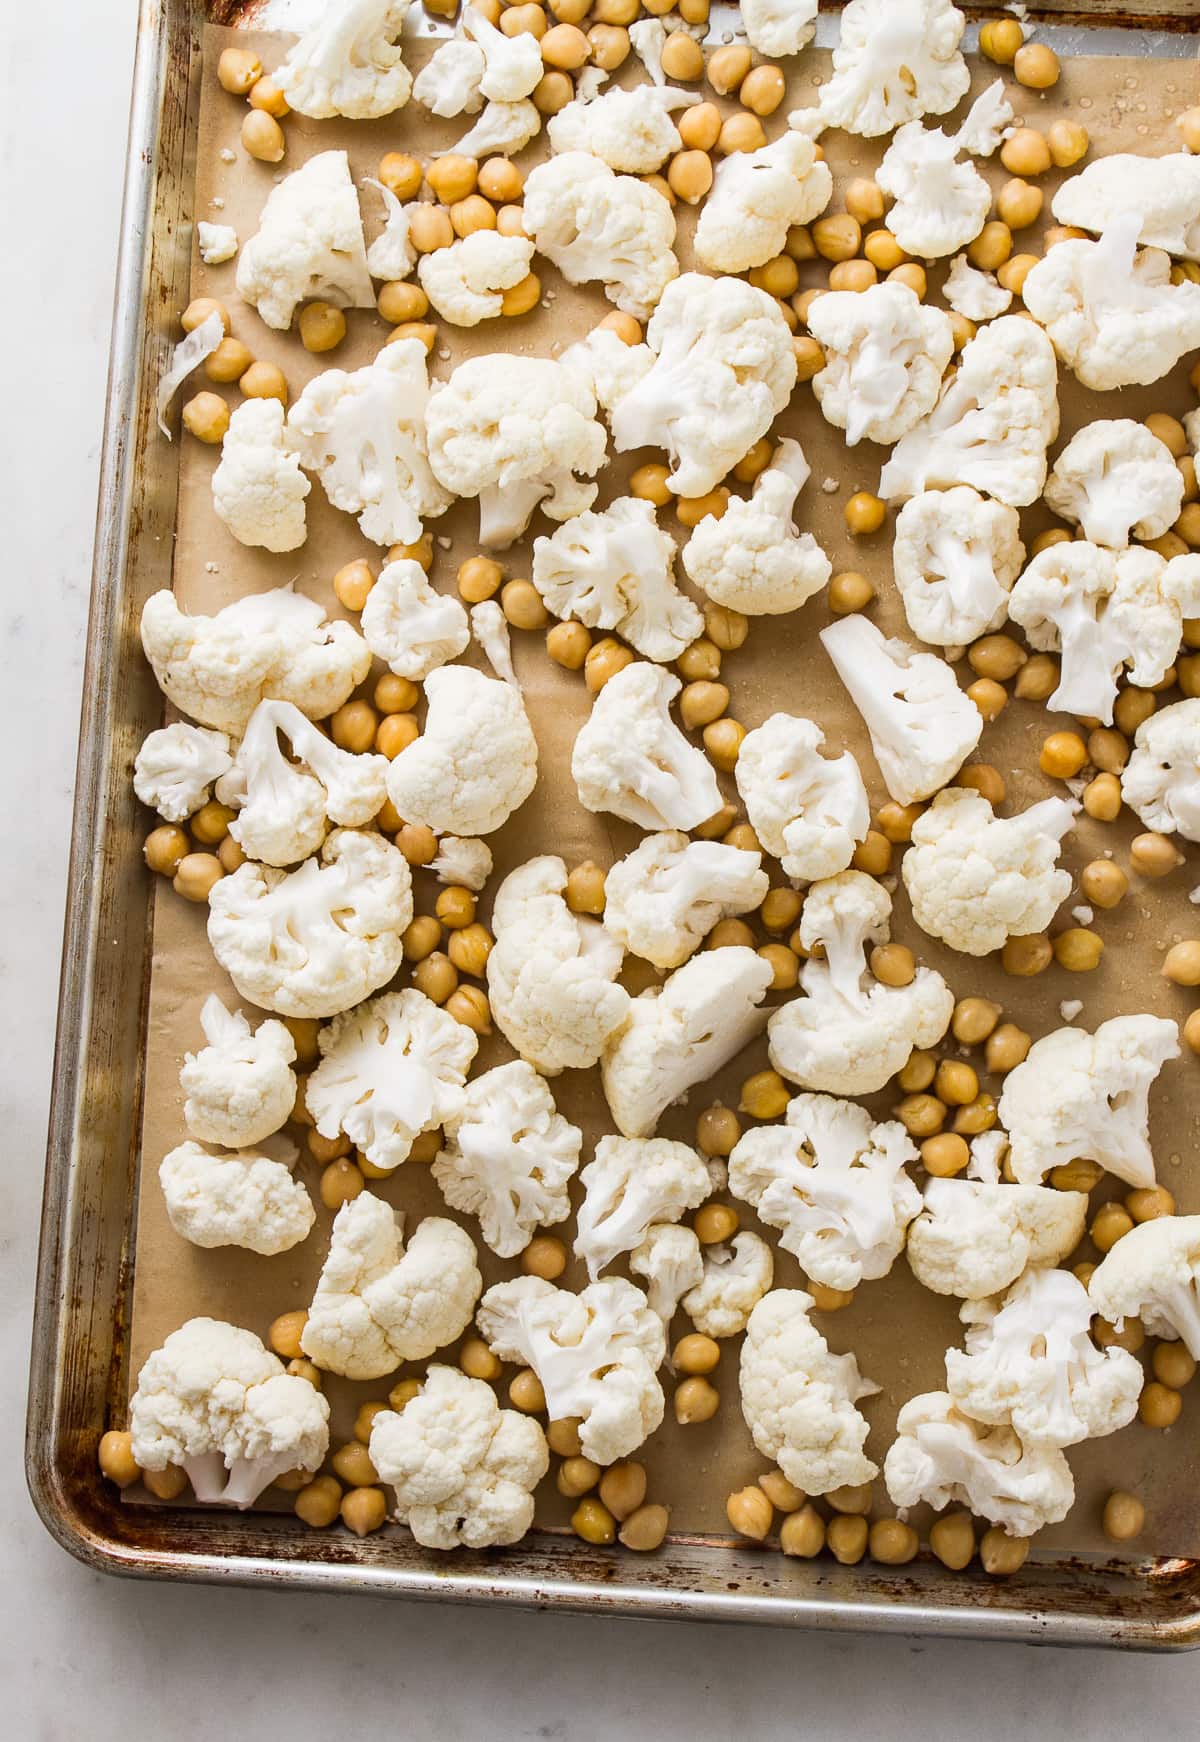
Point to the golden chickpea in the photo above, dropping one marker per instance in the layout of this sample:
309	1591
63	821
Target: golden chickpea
779	277
702	703
525	1392
563	1438
393	694
742	837
1002	1555
802	1533
1068	142
921	1115
1148	1203
692	11
846	1536
1047	540
353	727
1019	203
714	1223
479	578
763	90
594	1523
424	934
1191	1031
1159	1405
1038	678
701	661
741	132
430	227
691	510
565	46
341	1181
604	660
723	742
238	71
912	274
262	137
364	1420
690	176
196	875
696	1354
469	949
977	1116
229	362
961	329
1006	1048
952	1538
455	907
725	630
585	889
1023	957
728	67
895	821
983	778
1111	1223
829	1300
644	1529
1124	1516
764	1095
750	1513
683	59
780	909
401	173
892	1543
1080	1175
1153	855
165	848
285	1333
116	1459
1172	1365
1170	432
853	275
838	237
893	964
266	95
729	934
322	327
999	40
883	251
264	381
956	1083
1036	66
317	1504
545	1256
989	697
166	1484
1191	489
623	1488
522	20
696	1400
649	484
609	40
553	91
1015	271
424	332
699	128
917	1073
1188	528
1189	126
210	824
1130	1338
568	644
944	1155
364	1510
510	221
1103	883
992	247
864	514
403	1393
864	200
1107	749
198	311
1181	964
1132	707
974	1020
1078	950
206	416
803	301
522	605
436	976
477	1360
469	1005
352	584
1062	755
352	1465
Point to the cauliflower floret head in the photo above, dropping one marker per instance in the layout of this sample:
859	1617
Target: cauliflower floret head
663	899
940	204
309	244
754	559
501	131
512	64
631	758
896	60
977	295
779	27
756	198
240	1087
349	63
1161	780
593	224
448	84
631	1184
973	1239
1114	478
258	489
955	558
174	770
476	761
735	1279
244	1199
669	1260
1163	193
462	859
408	625
810	811
1153	1274
885	355
628	130
466	281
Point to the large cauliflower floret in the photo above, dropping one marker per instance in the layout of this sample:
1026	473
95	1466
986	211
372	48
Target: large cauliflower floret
514	431
215	1402
1114	478
663	899
940	204
631	1184
682	1033
596	1353
314	941
174	770
309	243
462	1468
809	810
992	425
955	558
349	63
1030	1364
798	1399
896	60
615	570
390	1069
240	1087
476	761
408	625
466	281
974	1239
1161	780
258	489
277	644
379	1303
735	1279
629	130
885	355
834	1183
939	1455
850	1033
631	758
1162	192
1153	1274
244	1199
975	879
922	726
1080	1096
756	198
512	64
754	558
779	27
593	224
508	1157
669	1261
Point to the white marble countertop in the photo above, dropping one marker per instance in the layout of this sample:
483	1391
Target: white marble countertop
83	1654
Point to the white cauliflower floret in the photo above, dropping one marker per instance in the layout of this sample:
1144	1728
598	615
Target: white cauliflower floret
240	1087
276	644
974	1239
756	198
939	1456
922	725
596	1353
512	64
258	489
448	84
896	60
462	1468
379	1303
501	131
779	27
608	367
349	63
736	1277
508	1157
850	1033
810	811
955	558
939	204
631	758
834	1183
977	295
628	130
669	1261
243	1199
593	224
1114	478
409	625
216	243
552	973
662	900
1086	1096
1153	1274
174	770
462	859
214	1402
885	355
798	1399
1163	193
476	761
682	1033
975	879
188	354
490	628
1030	1364
314	941
391	255
987	121
754	558
390	1069
615	570
466	281
309	243
629	1185
1161	780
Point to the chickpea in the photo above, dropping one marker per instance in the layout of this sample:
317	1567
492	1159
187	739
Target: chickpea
723	742
477	1360
1124	1516
1006	1048
912	274
644	1529
322	327
545	1256
714	1223
228	362
895	821
702	703
364	1420
364	1510
199	310
285	1333
469	949
1038	678
1036	66
992	247
989	697
1170	432
802	1533
1103	883
1023	957
803	301
779	277
696	1354
691	510
717	1130
1153	855
883	251
1000	40
553	91
696	1400
944	1155
1078	950
196	875
962	331
977	1116
956	1083
304	1031
165	848
952	1537
469	1005
699	127
565	46
893	964
692	11
402	1394
262	137
604	660
1172	1365
1002	1555
264	381
847	1536
510	221
317	1504
763	90
829	1300
525	1392
1069	143
725	630
1189	126
864	514
1159	1405
1191	1031
352	585
700	662
563	1438
436	976
780	909
424	934
892	1543
608	40
921	1115
1019	203
1111	1223
838	237
419	845
568	644
1130	1338
853	275
741	132
974	1020
115	1457
431	227
522	605
683	61
1062	755
1132	707
266	95
623	1488
873	855
1148	1203
917	1073
981	777
166	1484
1080	1175
649	484
690	176
352	1465
1015	271
522	20
764	1095
729	934
1181	965
341	1182
1188	528
594	1523
238	71
206	416
1107	749
728	67
750	1513
585	889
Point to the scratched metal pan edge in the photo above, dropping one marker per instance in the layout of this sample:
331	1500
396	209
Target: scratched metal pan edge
78	1367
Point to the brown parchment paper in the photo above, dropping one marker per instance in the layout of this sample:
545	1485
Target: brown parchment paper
898	1330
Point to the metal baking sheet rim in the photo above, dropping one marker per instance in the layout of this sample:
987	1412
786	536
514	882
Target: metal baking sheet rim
77	1367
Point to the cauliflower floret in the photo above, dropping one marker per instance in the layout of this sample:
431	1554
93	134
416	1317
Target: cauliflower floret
508	1157
552	973
1161	780
240	1087
922	726
975	879
973	1239
608	367
939	1456
379	1303
988	119
955	558
501	131
476	761
314	941
885	355
349	63
244	1199
615	570
662	900
631	758
408	625
512	64
390	1069
798	1399
448	84
593	224
174	770
391	255
466	281
834	1183
309	243
596	1353
940	204
216	243
463	860
1153	1273
977	295
277	644
628	130
1162	192
463	1469
631	1184
850	1033
810	811
258	489
896	60
1113	478
670	1261
736	1277
490	628
779	27
188	354
756	198
1087	1096
754	558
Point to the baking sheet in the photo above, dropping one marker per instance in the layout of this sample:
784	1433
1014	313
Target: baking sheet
898	1330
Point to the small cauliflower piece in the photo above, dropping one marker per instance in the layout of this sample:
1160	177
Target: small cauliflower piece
977	295
476	761
1162	192
940	1456
309	243
809	810
975	879
391	255
629	1185
1153	1273
1161	780
834	1183
895	61
779	27
244	1199
378	1302
607	366
448	84
1114	478
350	63
512	64
174	770
466	281
463	860
974	1239
922	726
508	1157
756	198
312	942
987	121
663	899
240	1087
596	225
490	628
631	131
390	1069
217	243
1087	1096
939	204
631	758
462	1468
754	558
955	559
669	1261
501	131
258	489
409	625
188	354
736	1277
885	355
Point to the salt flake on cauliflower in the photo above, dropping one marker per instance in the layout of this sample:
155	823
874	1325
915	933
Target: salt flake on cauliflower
662	899
174	770
885	354
350	63
309	243
408	625
244	1199
240	1087
809	810
476	761
939	1456
756	198
754	558
955	559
